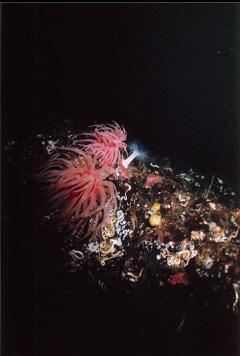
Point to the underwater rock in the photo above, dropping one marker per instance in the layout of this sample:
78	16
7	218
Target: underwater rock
167	227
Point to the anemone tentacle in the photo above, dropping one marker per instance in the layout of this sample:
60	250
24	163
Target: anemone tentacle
79	194
105	143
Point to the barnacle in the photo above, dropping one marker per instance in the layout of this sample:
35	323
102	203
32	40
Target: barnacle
79	193
105	143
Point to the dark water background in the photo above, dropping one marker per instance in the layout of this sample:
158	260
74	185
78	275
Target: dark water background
171	75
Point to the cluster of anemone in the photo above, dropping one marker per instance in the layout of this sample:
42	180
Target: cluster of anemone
80	194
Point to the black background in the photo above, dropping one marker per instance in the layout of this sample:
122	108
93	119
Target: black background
170	74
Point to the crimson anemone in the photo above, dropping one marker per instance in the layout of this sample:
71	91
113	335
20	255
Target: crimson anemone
79	194
105	143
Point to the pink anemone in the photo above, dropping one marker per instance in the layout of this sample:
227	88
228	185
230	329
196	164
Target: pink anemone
105	143
79	194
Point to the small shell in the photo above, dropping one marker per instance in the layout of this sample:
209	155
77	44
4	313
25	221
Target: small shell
155	207
155	220
197	235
